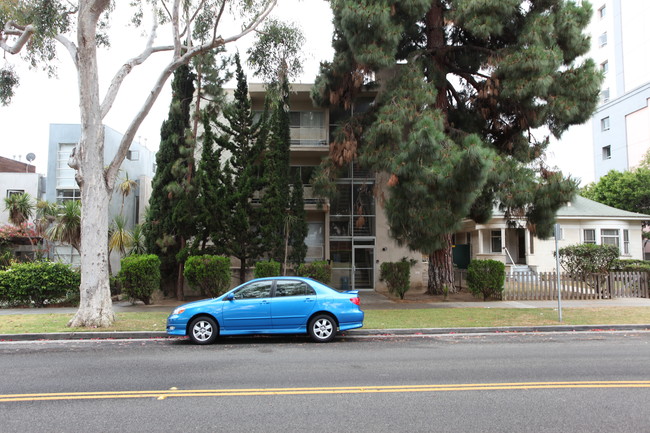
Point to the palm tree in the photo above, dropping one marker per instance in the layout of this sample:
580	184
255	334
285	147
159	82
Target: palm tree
67	225
126	187
45	215
119	238
138	245
20	208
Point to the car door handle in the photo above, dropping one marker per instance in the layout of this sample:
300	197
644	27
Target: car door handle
309	300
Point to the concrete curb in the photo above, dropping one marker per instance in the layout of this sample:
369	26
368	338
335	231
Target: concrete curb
348	334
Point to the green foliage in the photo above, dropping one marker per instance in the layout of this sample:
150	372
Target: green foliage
66	227
170	205
210	274
397	276
20	208
319	271
276	53
486	277
241	178
267	269
468	86
8	83
628	190
630	265
139	276
583	259
37	283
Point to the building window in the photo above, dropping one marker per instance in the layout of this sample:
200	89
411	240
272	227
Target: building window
67	194
589	236
11	192
602	12
609	237
495	236
604	95
604	67
307	128
607	152
626	242
64	173
602	39
133	155
604	124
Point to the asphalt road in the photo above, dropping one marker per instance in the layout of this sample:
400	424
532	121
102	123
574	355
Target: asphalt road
577	382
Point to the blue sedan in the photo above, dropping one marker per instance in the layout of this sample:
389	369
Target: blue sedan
279	305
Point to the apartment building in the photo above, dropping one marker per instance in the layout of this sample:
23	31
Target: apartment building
61	185
621	124
351	231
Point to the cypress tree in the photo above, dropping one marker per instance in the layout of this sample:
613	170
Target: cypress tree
457	127
163	227
275	200
243	176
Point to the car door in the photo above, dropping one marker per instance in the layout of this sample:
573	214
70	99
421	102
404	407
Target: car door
250	307
292	304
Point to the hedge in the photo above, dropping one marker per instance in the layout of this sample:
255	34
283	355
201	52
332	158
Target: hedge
319	271
397	276
267	269
139	276
37	283
486	277
211	275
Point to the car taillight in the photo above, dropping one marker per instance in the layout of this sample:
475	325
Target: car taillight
356	301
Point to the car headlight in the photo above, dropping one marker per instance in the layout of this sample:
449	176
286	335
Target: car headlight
178	310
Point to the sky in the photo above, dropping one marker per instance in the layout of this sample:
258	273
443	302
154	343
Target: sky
40	101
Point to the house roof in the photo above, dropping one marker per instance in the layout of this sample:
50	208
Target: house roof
582	207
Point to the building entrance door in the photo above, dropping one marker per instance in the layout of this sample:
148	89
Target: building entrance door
363	267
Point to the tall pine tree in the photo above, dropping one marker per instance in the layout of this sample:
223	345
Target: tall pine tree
469	86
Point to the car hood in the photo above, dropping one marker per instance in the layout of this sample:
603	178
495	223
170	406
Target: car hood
200	303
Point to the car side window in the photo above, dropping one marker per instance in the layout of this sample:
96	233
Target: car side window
259	289
293	288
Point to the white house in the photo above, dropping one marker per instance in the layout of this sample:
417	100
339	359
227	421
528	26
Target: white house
581	221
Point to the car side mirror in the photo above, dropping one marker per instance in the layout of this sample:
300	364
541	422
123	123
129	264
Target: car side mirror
230	297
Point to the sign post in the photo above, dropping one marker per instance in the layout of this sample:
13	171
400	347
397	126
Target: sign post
557	267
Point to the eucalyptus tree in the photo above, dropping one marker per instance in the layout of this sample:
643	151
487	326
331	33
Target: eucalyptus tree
470	87
34	27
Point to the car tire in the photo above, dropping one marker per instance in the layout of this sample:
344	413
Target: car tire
203	330
322	328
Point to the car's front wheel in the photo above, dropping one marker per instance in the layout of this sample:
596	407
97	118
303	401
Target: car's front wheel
203	330
322	328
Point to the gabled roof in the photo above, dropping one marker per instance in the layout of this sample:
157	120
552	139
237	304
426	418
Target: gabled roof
582	207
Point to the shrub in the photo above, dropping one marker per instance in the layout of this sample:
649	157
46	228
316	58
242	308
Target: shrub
210	274
397	276
267	269
140	276
319	271
37	283
630	265
486	277
582	259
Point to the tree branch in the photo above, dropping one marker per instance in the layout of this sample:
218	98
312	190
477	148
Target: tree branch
24	33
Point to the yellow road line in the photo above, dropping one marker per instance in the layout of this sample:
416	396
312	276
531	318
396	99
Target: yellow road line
163	394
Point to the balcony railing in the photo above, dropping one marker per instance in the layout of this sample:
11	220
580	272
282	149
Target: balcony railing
308	136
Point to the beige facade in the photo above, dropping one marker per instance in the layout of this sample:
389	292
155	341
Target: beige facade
581	221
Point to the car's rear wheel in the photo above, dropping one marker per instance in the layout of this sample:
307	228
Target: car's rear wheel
322	328
203	330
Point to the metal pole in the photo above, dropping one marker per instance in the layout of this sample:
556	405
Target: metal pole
557	267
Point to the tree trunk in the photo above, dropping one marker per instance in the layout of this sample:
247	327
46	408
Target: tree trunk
95	306
441	270
180	282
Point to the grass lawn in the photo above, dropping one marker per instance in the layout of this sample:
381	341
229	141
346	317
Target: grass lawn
375	319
